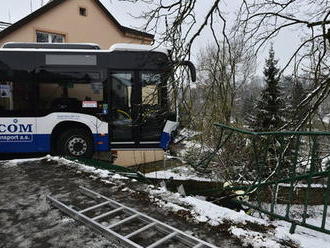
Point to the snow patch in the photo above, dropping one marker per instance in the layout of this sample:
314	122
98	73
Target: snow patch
273	234
16	162
101	173
179	173
117	176
254	239
202	210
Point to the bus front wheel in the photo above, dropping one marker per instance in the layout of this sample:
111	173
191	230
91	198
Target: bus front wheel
75	143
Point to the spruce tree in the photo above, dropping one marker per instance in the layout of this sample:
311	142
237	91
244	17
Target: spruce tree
270	116
298	93
270	107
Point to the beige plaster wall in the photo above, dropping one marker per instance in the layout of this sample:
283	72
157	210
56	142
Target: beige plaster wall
65	19
133	157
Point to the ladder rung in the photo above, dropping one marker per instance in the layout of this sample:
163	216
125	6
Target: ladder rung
108	213
123	221
198	245
140	230
147	222
93	207
171	235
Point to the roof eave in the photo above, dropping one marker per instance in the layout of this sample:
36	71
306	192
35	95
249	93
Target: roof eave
30	17
137	33
123	28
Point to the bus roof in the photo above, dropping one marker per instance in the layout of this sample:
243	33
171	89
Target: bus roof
26	45
79	47
136	48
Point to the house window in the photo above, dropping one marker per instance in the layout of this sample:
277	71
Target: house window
44	37
83	11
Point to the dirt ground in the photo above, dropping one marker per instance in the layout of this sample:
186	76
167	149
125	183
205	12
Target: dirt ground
28	220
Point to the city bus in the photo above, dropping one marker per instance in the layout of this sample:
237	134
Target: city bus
76	99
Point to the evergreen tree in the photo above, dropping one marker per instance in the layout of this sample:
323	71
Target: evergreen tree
295	92
270	116
269	110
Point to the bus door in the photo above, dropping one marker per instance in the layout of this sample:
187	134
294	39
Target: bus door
152	115
136	116
123	109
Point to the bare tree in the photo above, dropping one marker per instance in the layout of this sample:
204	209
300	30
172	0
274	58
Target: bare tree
220	77
177	23
261	21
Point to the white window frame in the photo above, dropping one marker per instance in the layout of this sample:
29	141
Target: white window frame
50	35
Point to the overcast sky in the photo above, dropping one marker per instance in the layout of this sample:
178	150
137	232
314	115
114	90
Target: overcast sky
284	45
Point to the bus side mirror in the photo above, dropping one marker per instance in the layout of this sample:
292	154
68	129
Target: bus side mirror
191	68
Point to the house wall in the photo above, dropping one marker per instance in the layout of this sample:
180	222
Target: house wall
133	157
65	19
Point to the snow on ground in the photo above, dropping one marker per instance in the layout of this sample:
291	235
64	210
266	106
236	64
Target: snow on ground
27	220
187	134
33	223
202	210
301	185
325	162
15	162
303	237
326	119
250	230
253	238
186	138
243	226
180	173
101	173
315	214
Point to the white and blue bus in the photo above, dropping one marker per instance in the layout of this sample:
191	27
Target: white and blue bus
76	99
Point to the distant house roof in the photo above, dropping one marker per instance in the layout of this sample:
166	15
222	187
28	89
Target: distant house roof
4	25
51	4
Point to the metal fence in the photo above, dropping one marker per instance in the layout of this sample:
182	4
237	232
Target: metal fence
285	174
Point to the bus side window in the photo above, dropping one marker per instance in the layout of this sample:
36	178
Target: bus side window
151	94
121	92
66	90
123	113
17	98
6	96
152	112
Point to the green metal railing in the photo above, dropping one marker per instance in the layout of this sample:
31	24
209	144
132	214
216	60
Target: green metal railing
284	173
